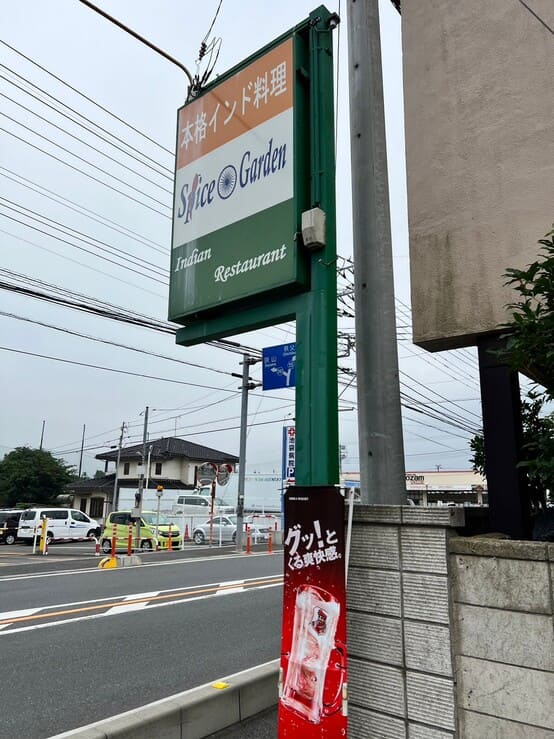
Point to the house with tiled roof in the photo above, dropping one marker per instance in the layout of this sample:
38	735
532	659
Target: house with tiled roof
170	462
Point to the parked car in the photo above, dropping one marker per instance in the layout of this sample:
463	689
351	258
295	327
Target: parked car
63	524
227	525
9	523
152	528
199	505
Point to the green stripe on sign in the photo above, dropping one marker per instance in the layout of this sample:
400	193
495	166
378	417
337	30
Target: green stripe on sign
251	256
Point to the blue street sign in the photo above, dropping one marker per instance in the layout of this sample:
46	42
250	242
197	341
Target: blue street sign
279	367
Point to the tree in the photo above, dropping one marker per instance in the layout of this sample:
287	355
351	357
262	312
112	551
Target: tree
530	337
538	448
32	476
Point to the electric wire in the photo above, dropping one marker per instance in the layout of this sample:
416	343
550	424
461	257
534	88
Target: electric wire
87	144
90	100
166	172
86	174
126	267
107	369
540	20
86	161
84	266
116	344
83	237
82	210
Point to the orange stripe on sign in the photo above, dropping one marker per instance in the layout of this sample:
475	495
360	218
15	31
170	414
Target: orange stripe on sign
257	93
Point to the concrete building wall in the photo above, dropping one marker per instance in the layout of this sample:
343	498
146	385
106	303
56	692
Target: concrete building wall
480	157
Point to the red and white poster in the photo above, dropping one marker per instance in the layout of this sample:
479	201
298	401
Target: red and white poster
313	677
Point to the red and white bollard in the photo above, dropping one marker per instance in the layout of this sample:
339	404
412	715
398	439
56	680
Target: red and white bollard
270	542
97	547
169	542
248	543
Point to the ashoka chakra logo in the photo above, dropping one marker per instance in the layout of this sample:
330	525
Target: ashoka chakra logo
226	182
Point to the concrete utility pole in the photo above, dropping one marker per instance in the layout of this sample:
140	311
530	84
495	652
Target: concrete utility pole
379	414
115	494
138	497
81	455
247	361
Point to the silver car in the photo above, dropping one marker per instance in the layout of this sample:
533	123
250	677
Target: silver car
226	527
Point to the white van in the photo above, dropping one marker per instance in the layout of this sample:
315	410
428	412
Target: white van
199	505
63	524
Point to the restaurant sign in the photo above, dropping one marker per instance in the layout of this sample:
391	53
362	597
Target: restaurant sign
235	218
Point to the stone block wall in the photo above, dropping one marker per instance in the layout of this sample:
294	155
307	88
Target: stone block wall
503	637
401	674
448	636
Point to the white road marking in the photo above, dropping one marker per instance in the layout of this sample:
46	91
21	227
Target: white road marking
94	570
148	606
133	606
226	587
5	615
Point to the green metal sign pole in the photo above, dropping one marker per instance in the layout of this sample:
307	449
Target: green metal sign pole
317	457
315	310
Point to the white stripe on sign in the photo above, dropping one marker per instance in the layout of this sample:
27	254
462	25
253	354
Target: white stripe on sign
143	597
260	164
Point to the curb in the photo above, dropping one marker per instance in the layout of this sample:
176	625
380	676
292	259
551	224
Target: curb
194	713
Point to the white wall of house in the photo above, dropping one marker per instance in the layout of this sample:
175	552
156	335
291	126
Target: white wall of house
174	469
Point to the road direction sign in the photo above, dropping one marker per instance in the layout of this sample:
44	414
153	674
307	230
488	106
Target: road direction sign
279	366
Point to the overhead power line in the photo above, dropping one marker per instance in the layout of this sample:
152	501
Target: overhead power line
86	161
90	100
86	174
65	132
82	210
81	248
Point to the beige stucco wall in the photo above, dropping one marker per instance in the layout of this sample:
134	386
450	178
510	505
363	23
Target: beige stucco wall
479	112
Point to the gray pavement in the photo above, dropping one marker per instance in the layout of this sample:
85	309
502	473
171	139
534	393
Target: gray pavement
261	726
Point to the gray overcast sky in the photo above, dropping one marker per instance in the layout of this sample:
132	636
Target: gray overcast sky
130	81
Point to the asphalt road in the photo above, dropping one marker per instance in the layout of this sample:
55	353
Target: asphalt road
78	644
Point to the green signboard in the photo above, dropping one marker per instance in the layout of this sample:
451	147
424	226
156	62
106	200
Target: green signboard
236	204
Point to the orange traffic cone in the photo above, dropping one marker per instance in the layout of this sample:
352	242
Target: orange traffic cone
186	536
